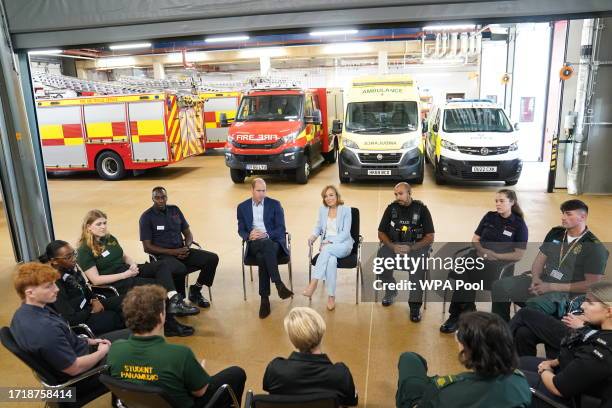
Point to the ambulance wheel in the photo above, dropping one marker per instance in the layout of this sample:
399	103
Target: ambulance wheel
438	175
237	175
332	156
110	166
511	182
303	171
343	179
419	179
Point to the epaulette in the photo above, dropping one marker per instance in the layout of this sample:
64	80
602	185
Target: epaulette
519	372
445	381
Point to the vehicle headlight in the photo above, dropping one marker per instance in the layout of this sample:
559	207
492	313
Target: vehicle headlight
448	145
290	137
350	144
411	144
513	147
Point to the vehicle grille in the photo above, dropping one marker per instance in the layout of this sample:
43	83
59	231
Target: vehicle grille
483	150
380	158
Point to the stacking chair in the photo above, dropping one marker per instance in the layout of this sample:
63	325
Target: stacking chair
251	261
319	400
353	260
50	378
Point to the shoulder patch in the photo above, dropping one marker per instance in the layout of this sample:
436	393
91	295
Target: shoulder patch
519	372
598	354
444	381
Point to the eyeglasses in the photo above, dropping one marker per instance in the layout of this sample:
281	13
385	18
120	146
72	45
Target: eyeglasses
68	257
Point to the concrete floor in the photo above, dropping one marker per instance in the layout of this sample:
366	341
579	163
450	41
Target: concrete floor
367	337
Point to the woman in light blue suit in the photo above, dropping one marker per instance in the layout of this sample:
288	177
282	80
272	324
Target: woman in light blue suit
334	228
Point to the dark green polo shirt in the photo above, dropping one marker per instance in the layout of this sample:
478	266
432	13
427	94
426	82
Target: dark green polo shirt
150	360
567	262
109	260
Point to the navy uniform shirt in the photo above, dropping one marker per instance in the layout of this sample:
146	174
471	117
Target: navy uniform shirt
405	213
500	234
584	255
45	335
163	228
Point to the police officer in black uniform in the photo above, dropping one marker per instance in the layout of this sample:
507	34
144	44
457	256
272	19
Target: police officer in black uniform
584	366
500	238
406	228
570	259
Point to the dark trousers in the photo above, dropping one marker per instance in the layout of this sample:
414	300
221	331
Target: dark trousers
234	376
529	366
159	272
110	319
415	298
465	300
531	327
198	259
504	291
266	252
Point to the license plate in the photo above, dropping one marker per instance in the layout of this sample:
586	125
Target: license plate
484	169
379	172
257	167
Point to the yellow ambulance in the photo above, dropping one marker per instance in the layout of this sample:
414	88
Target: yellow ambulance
381	136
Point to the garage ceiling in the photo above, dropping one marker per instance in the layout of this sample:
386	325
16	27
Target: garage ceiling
69	23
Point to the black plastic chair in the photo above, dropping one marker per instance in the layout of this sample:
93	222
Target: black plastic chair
251	261
50	378
190	270
151	396
319	400
352	260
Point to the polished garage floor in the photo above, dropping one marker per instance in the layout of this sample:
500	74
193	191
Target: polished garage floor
367	337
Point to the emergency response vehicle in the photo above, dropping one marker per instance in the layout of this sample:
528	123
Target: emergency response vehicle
382	136
283	130
113	134
216	106
472	139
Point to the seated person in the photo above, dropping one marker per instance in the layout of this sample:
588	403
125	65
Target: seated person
501	237
165	233
570	259
486	350
261	222
146	358
308	370
531	327
584	365
41	332
334	228
75	301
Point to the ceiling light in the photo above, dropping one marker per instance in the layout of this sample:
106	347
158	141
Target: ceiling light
129	46
227	39
347	48
115	62
457	27
332	33
45	52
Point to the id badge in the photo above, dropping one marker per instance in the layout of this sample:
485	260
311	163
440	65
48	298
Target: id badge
83	303
507	233
105	254
161	227
556	274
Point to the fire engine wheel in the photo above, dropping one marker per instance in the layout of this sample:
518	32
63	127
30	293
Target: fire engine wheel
237	175
110	166
302	172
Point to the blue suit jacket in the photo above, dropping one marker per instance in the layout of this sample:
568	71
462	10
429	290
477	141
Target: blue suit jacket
343	224
274	220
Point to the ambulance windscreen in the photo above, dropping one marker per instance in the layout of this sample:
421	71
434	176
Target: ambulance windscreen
382	117
476	120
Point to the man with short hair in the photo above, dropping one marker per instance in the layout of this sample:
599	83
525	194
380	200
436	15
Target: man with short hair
406	229
261	222
165	233
570	260
146	358
41	332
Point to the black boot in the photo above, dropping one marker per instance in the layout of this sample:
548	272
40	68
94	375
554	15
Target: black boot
415	314
195	296
177	307
389	297
451	324
264	307
283	291
172	328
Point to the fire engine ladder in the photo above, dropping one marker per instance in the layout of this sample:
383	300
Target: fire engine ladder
83	85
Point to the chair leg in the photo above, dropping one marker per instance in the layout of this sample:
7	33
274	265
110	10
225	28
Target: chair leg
210	294
357	285
251	271
425	291
243	282
290	274
444	302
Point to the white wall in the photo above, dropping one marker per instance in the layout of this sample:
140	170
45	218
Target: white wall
493	67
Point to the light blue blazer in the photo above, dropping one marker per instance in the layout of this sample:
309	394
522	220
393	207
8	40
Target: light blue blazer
343	225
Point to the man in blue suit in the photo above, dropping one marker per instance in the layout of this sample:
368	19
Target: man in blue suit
261	222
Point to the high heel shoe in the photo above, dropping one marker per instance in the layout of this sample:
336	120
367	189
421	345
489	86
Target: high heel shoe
309	291
331	303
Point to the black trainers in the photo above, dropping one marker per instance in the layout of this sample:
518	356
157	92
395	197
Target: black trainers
195	297
283	291
450	325
177	307
264	308
415	315
172	328
389	297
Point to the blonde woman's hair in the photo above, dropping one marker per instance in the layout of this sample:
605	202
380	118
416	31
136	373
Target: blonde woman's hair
87	238
602	291
305	328
338	198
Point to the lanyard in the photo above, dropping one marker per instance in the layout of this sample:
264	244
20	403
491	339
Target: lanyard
562	255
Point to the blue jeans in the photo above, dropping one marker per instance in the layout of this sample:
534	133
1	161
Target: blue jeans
327	264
